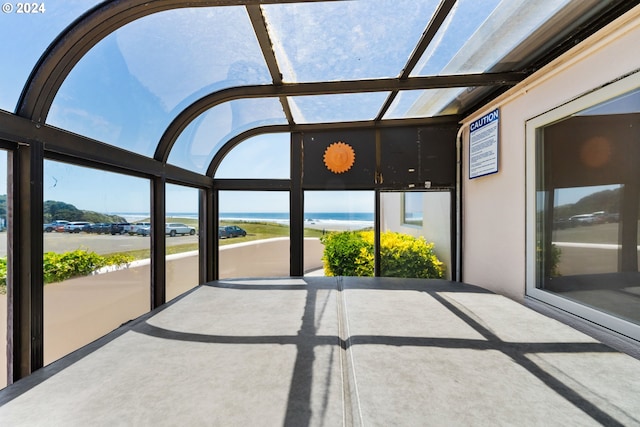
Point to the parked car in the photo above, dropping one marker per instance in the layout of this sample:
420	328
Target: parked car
54	225
175	228
225	232
119	228
75	226
141	229
97	228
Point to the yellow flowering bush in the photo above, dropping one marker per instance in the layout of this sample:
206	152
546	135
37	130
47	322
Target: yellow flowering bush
401	255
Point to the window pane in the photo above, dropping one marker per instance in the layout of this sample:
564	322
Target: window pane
425	216
261	157
360	39
201	140
412	213
330	213
25	37
460	44
588	205
254	234
89	204
432	102
182	259
129	87
4	333
336	108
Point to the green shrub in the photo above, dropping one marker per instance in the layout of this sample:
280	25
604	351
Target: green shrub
118	259
59	267
3	276
553	259
344	253
401	255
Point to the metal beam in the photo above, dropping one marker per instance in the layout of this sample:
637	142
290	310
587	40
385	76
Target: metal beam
253	184
207	102
262	34
208	238
427	36
444	8
66	146
296	209
25	274
158	242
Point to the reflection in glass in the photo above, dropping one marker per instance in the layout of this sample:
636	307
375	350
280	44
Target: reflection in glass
423	215
3	269
586	216
588	207
182	238
116	286
431	102
412	213
264	156
128	88
327	212
201	140
460	44
254	234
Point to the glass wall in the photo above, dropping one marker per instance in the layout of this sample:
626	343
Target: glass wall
587	203
416	229
181	240
328	213
254	234
265	156
96	272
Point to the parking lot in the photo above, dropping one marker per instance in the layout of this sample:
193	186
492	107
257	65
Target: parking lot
99	243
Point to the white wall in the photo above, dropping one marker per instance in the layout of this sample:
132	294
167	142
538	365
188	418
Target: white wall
494	206
436	209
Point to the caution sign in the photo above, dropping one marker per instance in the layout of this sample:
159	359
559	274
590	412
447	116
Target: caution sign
483	145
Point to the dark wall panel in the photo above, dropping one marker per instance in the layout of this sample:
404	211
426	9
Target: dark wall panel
361	175
402	158
412	156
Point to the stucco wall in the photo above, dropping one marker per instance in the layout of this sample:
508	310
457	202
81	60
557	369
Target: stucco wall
494	206
436	207
266	258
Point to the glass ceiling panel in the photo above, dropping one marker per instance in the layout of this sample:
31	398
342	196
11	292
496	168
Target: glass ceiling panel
460	46
331	41
25	36
202	139
336	108
429	103
131	85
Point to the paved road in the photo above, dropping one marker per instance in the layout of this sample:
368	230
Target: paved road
101	244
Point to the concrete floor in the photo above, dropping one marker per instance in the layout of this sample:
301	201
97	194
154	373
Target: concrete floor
324	351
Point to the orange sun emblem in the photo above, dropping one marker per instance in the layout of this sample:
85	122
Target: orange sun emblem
339	157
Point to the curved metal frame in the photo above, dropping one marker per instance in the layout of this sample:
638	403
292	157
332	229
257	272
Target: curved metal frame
207	102
82	35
